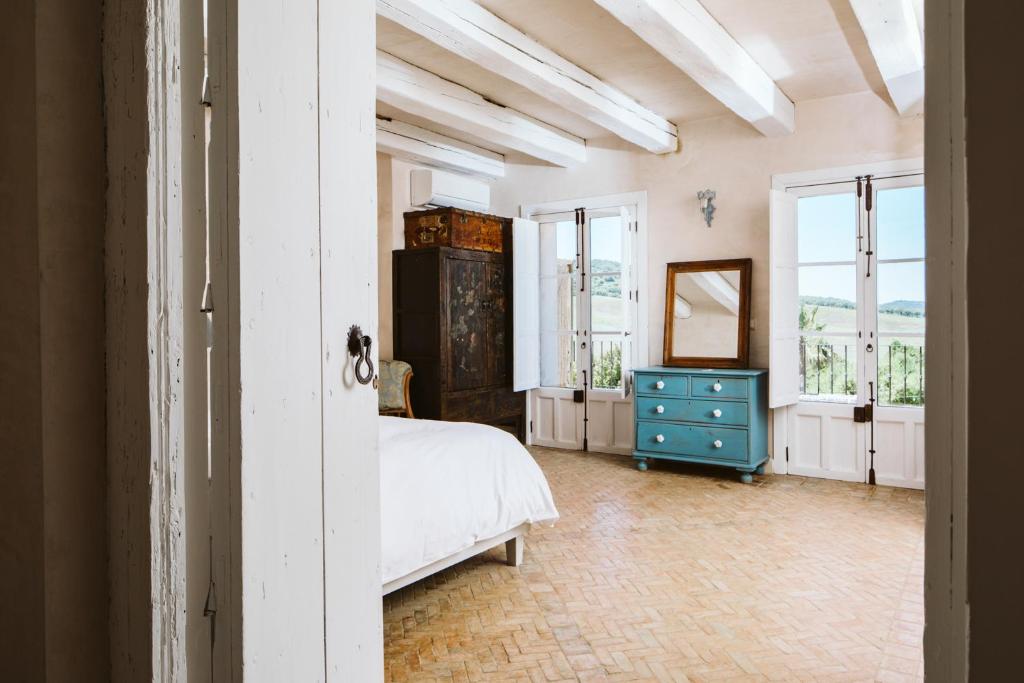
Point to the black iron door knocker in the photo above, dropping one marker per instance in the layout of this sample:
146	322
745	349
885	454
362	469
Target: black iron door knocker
359	348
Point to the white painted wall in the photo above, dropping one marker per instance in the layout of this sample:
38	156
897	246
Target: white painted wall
393	191
728	156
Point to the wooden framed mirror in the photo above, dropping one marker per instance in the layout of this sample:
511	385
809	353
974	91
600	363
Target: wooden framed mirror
707	314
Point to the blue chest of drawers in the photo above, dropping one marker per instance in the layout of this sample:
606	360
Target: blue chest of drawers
715	417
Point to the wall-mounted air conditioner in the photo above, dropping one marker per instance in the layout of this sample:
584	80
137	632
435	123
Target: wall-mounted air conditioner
437	188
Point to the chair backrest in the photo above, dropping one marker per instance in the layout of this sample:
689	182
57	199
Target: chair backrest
391	391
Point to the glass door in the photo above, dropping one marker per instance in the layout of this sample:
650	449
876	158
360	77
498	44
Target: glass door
860	248
586	295
896	437
828	441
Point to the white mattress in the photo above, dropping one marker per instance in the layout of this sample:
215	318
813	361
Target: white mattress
447	485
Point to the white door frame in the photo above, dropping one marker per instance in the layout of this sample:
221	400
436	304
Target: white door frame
783	418
946	632
640	350
146	297
841	445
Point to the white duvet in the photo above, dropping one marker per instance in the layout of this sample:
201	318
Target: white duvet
447	485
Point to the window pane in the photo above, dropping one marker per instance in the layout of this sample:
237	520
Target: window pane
606	244
900	223
901	298
901	323
900	371
827	228
557	248
606	362
606	303
828	321
828	369
828	296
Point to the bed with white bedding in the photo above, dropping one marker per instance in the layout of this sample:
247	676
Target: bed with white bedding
450	490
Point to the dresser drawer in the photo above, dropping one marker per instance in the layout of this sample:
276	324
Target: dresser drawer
663	385
719	387
709	411
719	443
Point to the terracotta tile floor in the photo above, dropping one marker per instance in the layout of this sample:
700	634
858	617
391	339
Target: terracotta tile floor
679	574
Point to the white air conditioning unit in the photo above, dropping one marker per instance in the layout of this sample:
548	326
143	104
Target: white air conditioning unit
437	188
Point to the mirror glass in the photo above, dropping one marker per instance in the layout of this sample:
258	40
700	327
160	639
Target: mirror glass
706	317
707	313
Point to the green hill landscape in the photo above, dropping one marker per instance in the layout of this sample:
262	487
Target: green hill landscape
834	315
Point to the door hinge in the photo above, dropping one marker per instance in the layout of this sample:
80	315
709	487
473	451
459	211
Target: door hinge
637	297
787	453
863	413
207	100
531	426
210	608
207	305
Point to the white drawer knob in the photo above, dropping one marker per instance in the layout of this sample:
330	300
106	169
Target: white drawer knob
718	443
659	384
717	386
660	409
717	412
660	438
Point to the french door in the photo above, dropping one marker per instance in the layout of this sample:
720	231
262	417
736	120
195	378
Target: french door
588	301
860	270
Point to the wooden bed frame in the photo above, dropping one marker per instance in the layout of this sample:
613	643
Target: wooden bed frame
513	540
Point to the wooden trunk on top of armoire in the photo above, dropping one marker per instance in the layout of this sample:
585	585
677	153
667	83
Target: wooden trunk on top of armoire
457	228
453	324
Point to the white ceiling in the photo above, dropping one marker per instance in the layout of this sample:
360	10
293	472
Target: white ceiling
811	48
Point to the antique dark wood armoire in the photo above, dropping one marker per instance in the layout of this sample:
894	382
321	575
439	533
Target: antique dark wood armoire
453	324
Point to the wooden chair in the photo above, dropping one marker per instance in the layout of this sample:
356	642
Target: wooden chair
393	390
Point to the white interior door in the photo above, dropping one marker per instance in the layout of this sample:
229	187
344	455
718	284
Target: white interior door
861	324
587	320
293	265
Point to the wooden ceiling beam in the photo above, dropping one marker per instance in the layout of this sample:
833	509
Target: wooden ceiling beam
685	34
894	37
418	92
471	31
427	148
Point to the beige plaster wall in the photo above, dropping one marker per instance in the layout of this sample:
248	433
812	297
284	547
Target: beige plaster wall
23	623
726	155
995	464
393	191
53	555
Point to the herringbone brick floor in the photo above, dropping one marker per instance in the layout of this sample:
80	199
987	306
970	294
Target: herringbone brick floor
679	574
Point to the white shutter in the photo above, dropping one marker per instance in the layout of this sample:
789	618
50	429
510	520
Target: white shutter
525	304
628	283
784	375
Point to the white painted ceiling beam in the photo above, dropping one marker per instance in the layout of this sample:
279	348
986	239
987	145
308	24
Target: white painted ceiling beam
427	148
426	95
719	289
470	31
689	37
894	37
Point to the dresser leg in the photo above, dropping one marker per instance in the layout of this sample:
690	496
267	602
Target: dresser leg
746	477
641	465
760	469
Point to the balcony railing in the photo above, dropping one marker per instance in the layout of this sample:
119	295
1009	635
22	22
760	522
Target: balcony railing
829	372
606	361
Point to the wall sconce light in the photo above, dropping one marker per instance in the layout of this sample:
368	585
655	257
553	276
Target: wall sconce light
707	205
